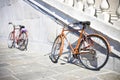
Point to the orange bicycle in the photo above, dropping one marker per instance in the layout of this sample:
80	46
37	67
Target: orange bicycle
92	50
18	37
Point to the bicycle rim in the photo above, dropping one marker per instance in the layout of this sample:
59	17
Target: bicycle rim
23	41
54	56
98	53
10	40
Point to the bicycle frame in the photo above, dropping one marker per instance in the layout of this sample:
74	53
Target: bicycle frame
75	49
63	36
16	37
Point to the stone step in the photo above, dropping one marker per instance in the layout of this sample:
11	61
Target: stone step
69	14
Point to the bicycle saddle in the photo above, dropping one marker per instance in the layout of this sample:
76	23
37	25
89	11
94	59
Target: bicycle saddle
85	22
82	22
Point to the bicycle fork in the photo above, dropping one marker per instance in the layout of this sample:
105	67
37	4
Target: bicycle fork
62	45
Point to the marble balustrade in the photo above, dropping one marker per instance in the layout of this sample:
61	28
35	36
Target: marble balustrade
107	10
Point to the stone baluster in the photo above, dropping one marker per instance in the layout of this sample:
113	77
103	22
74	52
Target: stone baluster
117	23
104	5
104	8
61	0
118	10
69	2
78	5
90	9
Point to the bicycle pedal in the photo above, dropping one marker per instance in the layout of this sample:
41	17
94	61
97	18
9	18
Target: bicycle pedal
75	56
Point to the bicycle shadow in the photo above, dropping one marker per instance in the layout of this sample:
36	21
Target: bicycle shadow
67	57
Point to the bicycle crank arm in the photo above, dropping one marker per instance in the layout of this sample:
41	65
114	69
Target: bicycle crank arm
91	51
84	52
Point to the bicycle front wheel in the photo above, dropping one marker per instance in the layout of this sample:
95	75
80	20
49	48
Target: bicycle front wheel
94	51
23	41
10	40
54	56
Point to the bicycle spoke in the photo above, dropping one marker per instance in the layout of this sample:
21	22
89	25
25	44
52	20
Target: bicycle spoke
96	55
55	50
10	40
22	43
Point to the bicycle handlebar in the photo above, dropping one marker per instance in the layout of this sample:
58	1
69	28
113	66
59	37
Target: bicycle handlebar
21	26
10	23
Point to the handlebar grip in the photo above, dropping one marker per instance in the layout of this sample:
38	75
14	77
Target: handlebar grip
10	23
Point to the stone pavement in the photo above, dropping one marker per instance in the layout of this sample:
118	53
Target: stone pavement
33	65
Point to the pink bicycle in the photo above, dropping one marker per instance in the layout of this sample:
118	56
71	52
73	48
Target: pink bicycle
18	37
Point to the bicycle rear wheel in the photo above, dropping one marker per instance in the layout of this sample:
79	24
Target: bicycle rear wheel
54	56
96	55
23	41
10	40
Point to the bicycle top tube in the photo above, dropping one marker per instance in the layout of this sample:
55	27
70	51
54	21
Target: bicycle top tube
72	30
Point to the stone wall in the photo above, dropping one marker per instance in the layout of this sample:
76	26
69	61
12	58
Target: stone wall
39	26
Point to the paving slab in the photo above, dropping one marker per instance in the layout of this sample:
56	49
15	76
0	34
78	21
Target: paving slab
34	65
110	76
9	78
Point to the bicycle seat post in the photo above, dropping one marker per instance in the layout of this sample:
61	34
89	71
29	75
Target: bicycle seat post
84	26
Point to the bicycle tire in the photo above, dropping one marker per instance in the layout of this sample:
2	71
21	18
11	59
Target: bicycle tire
10	40
22	42
99	49
54	56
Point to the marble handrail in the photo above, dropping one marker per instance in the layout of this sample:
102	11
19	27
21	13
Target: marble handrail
102	9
